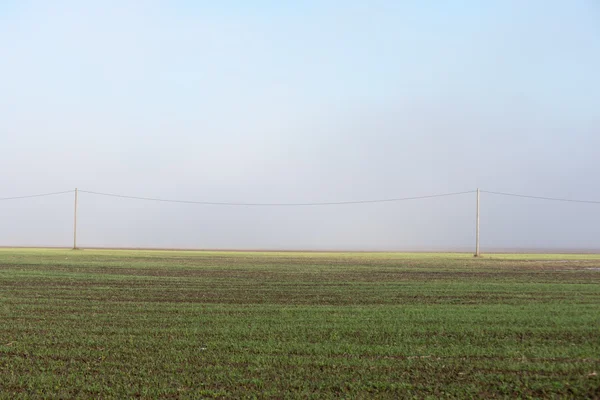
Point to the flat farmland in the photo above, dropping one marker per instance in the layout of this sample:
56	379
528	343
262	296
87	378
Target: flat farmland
183	324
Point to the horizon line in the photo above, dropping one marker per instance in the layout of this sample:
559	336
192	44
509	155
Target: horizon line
509	250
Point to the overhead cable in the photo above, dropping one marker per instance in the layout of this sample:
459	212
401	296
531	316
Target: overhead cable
308	204
35	195
542	198
276	204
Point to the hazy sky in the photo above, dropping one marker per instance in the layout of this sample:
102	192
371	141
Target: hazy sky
269	101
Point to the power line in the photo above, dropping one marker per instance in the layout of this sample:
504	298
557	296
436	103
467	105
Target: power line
333	203
277	204
542	198
35	195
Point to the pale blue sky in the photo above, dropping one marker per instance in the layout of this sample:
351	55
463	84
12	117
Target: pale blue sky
318	101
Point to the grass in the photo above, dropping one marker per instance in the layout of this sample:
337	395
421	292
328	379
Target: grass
159	324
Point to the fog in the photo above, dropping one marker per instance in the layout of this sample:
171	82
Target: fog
324	101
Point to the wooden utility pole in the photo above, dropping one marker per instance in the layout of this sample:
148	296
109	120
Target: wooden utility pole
477	254
75	223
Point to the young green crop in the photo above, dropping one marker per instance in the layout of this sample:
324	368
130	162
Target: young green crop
160	324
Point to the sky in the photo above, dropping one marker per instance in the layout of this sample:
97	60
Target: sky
295	102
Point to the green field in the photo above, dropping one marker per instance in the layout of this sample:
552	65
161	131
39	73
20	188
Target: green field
159	324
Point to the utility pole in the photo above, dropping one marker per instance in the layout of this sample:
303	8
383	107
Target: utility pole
477	254
75	222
